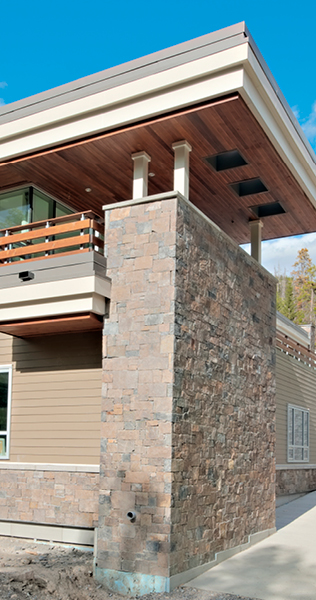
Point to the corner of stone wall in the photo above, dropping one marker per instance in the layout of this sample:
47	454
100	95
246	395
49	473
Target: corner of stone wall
188	433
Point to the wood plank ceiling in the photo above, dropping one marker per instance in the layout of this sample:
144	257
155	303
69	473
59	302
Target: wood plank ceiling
104	164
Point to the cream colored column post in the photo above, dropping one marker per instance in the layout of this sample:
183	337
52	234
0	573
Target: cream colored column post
181	167
255	229
140	179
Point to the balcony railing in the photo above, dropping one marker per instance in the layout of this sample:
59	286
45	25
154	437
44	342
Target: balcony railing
296	350
72	234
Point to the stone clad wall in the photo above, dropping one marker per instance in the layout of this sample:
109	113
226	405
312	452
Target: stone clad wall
49	497
137	397
188	409
295	481
224	395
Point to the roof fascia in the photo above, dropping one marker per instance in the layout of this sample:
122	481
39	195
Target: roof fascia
238	68
162	60
279	94
258	93
154	95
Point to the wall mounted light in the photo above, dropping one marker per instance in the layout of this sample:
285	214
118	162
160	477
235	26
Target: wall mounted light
26	276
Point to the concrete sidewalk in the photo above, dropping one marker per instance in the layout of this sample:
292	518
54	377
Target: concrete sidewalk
281	567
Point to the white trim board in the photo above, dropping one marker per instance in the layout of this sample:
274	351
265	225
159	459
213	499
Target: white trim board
70	468
50	533
294	466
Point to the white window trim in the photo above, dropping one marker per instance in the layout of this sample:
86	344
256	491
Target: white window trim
7	369
290	446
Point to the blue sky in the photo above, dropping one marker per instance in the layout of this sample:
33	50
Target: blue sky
46	44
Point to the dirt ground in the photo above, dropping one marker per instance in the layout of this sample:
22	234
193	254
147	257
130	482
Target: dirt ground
38	571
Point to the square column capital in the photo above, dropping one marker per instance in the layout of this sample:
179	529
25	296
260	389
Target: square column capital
142	155
182	144
140	178
181	167
255	234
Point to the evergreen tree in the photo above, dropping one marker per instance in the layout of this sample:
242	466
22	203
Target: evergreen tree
304	284
279	300
280	294
289	306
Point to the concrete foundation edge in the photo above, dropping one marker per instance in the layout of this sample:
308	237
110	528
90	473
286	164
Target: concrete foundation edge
131	584
139	583
50	533
254	538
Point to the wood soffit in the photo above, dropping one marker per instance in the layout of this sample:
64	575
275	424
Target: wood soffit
53	325
104	164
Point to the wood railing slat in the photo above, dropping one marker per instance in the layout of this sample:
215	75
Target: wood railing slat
89	214
44	232
82	231
46	247
295	349
70	253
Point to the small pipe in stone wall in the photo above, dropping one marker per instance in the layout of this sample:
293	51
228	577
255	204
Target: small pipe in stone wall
131	515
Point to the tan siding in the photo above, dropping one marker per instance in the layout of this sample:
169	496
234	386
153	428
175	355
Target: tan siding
295	384
56	397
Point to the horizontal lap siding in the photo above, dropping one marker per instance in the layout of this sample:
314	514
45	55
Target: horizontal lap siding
56	397
295	384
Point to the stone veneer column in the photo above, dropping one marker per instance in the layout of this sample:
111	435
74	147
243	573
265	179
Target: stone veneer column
133	557
187	438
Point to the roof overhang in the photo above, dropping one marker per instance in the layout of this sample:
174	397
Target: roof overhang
219	65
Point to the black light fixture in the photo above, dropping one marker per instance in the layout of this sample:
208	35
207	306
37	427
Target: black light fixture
26	275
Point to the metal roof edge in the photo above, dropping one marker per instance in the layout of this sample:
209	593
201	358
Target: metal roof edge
129	71
292	325
279	94
139	68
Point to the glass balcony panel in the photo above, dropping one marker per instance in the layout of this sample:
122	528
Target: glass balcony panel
43	207
15	208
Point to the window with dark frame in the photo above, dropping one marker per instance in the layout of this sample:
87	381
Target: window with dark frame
5	410
298	434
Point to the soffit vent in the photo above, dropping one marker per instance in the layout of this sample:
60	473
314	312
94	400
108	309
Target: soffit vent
249	187
267	210
226	160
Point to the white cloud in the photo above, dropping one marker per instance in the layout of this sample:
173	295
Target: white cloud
280	255
296	111
309	125
3	84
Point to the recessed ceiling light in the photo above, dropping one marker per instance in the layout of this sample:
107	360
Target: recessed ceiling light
226	160
88	190
267	210
151	174
249	187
